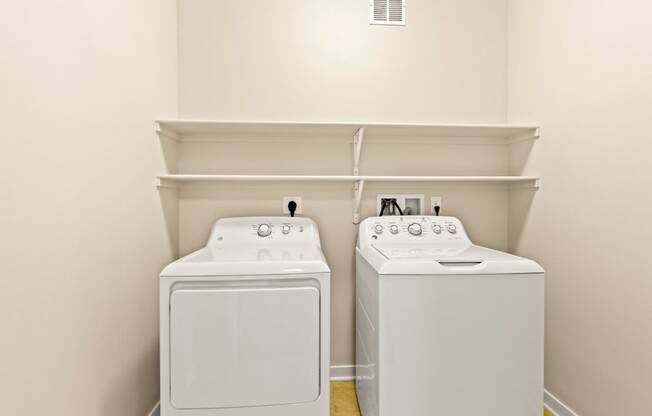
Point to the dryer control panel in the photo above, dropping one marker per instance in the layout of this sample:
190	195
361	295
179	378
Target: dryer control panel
412	229
265	230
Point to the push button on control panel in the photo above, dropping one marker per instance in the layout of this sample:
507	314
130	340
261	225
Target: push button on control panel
285	229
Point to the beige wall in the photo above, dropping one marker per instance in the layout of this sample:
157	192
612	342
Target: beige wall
583	69
315	60
83	232
321	60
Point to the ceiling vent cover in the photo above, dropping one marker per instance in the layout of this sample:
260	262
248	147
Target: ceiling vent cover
387	12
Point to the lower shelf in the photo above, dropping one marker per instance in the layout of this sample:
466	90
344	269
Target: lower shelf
176	179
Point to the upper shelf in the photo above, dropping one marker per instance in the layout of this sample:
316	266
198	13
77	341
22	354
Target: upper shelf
181	130
174	180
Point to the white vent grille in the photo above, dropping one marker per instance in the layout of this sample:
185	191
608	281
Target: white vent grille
387	12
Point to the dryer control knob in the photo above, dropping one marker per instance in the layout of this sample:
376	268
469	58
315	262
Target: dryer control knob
285	229
415	229
393	229
452	229
436	229
378	229
264	230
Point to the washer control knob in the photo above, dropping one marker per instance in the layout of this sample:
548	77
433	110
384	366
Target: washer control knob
264	230
378	229
285	229
452	229
415	229
436	229
393	229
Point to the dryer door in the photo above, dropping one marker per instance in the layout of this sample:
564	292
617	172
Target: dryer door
241	347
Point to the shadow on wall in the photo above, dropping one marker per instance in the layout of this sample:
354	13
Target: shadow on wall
519	156
170	206
169	153
138	378
169	196
520	200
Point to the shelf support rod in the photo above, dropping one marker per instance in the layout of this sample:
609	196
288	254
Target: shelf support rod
357	199
358	187
358	138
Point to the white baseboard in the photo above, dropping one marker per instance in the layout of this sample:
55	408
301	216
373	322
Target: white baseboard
556	406
156	411
342	372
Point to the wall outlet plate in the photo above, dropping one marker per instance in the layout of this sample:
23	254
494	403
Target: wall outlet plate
297	200
435	201
414	203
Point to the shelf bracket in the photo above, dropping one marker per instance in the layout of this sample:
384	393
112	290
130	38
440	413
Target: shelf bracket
168	134
533	184
357	199
533	135
162	183
358	138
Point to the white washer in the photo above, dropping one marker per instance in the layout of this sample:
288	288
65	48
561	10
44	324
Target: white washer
245	324
444	327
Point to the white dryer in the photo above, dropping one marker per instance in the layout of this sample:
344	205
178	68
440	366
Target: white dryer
245	328
444	327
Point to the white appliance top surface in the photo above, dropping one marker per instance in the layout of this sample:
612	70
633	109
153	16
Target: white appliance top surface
429	252
256	246
258	253
435	245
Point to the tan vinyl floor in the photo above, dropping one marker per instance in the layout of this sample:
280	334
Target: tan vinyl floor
343	399
345	403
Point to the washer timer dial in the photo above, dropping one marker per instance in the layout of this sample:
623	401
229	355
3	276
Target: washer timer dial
415	229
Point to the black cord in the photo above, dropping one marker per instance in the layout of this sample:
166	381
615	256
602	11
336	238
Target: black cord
397	207
387	203
382	209
292	207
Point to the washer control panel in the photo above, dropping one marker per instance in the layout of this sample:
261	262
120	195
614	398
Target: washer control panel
263	230
399	229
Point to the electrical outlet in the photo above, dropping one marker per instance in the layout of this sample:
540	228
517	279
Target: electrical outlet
297	200
435	201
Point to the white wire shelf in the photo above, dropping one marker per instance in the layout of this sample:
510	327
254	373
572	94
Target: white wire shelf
181	178
356	133
189	130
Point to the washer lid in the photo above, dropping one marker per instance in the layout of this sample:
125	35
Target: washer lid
447	259
267	259
426	251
